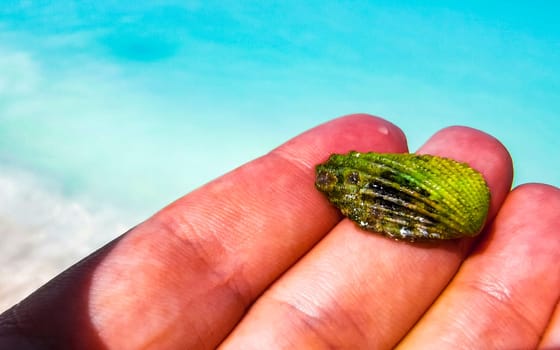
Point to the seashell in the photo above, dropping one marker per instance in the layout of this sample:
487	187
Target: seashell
406	196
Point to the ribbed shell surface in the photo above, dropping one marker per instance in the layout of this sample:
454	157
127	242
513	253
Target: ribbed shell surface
406	196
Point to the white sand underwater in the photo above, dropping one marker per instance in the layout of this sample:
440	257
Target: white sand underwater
42	232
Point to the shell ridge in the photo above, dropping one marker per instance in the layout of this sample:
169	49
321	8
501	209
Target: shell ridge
395	167
406	196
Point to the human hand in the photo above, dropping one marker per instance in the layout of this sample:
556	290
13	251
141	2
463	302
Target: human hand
259	259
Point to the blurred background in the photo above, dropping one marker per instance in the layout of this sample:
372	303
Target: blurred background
109	110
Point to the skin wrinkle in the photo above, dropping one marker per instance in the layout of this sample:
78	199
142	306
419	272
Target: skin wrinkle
194	248
343	315
237	284
490	293
225	275
495	289
303	171
129	295
451	340
231	285
319	314
303	317
347	314
355	293
316	321
293	159
196	241
182	226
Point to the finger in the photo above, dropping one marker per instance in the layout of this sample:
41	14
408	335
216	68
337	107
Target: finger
505	292
185	277
551	337
362	290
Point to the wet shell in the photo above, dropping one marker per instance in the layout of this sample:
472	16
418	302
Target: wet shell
406	196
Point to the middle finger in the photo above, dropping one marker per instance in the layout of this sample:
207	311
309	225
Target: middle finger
357	289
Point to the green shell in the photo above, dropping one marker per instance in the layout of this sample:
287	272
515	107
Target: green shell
406	196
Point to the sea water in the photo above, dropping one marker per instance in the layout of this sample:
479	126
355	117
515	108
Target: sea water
108	112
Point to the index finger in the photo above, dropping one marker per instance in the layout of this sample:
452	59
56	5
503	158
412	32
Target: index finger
185	277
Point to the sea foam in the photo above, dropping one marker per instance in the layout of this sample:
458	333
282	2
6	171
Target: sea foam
43	231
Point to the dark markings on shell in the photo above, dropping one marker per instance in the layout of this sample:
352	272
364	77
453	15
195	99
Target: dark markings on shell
406	196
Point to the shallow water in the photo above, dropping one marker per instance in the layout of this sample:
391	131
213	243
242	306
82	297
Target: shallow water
108	112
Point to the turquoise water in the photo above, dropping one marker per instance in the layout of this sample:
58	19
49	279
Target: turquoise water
109	111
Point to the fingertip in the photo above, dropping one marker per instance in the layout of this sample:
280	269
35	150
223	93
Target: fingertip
377	129
357	132
531	200
380	126
469	141
539	191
